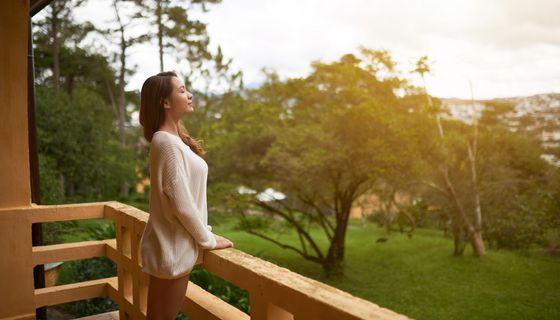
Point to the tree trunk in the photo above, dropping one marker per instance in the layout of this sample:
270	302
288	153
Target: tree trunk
121	91
62	185
159	13
478	244
122	103
476	237
55	47
333	265
458	241
122	71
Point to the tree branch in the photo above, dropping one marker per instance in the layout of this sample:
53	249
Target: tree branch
321	218
291	220
287	246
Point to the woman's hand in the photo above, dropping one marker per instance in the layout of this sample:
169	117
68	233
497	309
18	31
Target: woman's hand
222	242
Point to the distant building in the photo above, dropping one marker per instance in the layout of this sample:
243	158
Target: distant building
538	116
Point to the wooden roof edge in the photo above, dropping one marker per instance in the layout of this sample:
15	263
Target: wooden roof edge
37	5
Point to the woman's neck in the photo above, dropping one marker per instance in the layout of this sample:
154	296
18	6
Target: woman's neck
171	127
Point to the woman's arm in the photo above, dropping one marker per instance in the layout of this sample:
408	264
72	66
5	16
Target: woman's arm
176	187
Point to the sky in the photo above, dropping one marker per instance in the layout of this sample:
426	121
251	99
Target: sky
505	48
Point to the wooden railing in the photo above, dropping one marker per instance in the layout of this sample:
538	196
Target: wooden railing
275	293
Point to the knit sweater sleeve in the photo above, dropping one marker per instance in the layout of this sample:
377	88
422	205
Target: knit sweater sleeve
176	186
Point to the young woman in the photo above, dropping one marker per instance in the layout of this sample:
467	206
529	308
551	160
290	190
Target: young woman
177	231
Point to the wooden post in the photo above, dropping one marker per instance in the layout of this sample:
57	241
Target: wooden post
261	309
16	270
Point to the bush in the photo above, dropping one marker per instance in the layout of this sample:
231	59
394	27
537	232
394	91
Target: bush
223	289
95	268
53	232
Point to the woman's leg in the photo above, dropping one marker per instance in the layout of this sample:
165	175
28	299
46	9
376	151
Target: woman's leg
165	297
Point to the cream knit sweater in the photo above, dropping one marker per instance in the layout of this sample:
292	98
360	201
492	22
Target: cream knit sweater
177	230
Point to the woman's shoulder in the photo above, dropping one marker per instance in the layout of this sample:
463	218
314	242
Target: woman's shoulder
163	139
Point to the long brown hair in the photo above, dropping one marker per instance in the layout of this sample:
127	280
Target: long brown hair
152	115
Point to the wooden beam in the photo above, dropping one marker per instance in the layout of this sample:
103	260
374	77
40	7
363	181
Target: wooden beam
201	304
65	212
69	251
71	292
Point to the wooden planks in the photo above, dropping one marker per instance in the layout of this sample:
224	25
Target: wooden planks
69	251
113	315
65	212
200	304
70	292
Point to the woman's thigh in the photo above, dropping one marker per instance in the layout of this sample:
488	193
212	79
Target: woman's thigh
165	297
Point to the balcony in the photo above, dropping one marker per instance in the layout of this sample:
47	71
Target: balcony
274	292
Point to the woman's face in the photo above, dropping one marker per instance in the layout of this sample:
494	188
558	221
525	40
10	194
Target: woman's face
180	101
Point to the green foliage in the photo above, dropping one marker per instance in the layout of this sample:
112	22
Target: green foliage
95	268
50	180
420	212
512	185
254	222
54	232
78	142
224	290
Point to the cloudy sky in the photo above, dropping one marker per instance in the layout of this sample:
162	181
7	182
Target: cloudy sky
505	47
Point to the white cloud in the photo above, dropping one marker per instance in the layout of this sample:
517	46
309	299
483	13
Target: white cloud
506	48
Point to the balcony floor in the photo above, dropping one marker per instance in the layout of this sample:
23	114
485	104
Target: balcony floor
114	315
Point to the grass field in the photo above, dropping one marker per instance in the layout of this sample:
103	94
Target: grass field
420	278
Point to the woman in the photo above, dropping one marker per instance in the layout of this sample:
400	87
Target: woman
177	230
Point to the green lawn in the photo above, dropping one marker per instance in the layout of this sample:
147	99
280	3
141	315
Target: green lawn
420	278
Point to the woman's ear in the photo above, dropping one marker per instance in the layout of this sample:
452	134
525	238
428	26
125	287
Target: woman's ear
166	104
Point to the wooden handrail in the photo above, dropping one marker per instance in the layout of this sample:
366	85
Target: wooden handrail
65	212
298	295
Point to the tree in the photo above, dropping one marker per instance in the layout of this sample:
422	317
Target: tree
177	30
179	34
513	180
75	127
322	141
463	226
57	31
76	137
125	42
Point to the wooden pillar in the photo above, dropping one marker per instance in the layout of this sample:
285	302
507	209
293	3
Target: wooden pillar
16	270
15	185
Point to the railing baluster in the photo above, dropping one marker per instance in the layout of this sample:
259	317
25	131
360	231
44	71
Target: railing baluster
262	309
